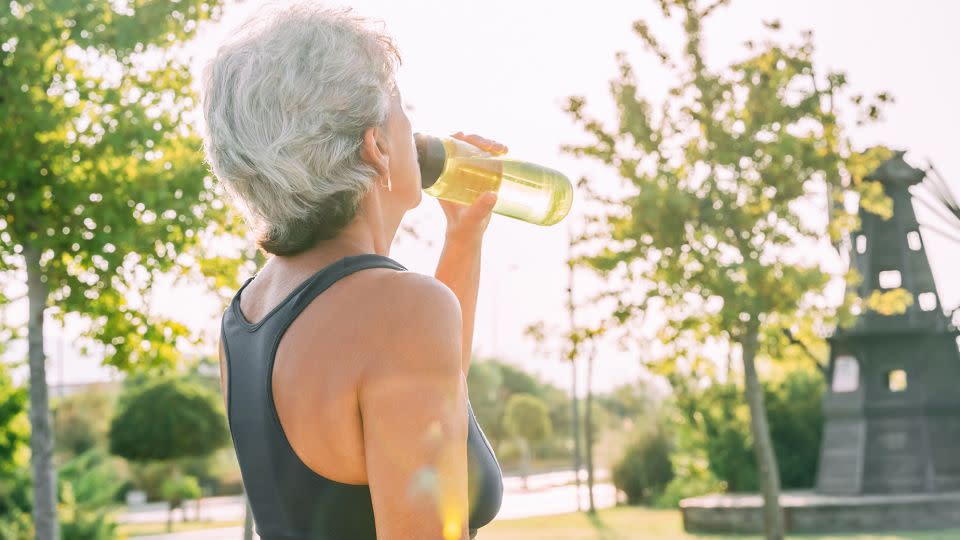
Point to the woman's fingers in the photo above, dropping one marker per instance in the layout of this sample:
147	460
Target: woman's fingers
482	207
482	143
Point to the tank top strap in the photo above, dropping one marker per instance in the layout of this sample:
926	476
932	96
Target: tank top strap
283	313
329	275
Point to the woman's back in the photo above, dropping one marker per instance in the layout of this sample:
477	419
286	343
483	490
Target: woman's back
302	451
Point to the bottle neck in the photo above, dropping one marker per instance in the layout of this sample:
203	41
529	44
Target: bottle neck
432	156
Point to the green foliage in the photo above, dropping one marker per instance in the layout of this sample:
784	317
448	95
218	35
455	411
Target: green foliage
15	522
87	488
167	418
892	302
527	417
180	488
722	182
95	478
794	407
490	385
14	425
15	505
79	522
104	182
81	421
485	388
645	469
517	381
718	419
740	170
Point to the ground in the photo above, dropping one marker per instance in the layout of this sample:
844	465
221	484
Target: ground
621	523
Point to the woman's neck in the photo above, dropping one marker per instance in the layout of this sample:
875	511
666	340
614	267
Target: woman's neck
371	231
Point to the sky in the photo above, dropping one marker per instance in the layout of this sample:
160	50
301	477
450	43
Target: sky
503	69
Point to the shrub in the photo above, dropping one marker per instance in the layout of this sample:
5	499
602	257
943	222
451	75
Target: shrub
717	422
645	469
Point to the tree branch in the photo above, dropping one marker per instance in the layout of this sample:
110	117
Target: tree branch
806	351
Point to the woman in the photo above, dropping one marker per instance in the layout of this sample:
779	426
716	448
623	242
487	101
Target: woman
344	375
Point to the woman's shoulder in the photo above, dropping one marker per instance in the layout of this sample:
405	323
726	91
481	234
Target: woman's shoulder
414	315
416	300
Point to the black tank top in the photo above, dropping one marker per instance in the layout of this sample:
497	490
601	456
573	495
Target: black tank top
289	501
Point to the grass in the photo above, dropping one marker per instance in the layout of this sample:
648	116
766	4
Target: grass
130	530
621	523
631	523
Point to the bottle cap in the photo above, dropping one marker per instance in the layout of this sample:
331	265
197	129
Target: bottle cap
432	156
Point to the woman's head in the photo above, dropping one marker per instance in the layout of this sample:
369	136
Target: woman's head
303	120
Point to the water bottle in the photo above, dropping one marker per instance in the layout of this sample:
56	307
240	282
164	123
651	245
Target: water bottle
457	171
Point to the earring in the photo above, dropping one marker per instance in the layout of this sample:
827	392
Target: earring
388	185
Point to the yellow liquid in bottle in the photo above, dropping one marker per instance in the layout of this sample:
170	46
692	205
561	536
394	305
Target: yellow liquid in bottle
525	191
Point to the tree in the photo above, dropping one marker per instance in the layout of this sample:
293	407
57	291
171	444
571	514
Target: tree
166	419
736	171
590	336
527	418
176	490
572	338
103	185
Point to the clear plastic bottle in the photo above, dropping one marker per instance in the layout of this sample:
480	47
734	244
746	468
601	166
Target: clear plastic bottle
458	171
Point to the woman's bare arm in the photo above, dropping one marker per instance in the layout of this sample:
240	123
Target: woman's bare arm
459	265
412	399
459	269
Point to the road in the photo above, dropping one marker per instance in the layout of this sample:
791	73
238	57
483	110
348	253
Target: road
546	494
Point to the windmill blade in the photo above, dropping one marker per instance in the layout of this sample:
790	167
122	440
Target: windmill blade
946	233
943	189
936	206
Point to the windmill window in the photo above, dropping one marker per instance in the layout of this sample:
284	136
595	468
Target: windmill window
889	279
913	240
927	301
846	374
897	380
861	244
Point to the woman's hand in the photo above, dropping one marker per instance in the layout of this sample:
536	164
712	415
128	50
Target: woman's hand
467	223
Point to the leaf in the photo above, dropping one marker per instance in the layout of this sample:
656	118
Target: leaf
891	302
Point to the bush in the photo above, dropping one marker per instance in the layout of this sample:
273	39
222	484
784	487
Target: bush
717	419
178	489
167	418
645	468
81	420
95	478
81	521
15	497
81	492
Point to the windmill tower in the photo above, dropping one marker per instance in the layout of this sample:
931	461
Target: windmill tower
892	406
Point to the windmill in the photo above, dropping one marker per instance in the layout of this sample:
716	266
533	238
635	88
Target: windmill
892	409
936	197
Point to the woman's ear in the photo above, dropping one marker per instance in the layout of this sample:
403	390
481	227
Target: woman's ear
372	150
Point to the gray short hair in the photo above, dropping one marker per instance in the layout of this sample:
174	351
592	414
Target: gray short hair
286	100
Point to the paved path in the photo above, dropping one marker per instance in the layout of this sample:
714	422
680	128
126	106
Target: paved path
546	496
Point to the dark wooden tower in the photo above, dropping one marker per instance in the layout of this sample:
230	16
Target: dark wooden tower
892	406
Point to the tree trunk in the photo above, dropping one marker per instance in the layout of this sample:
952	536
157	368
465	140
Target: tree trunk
575	421
41	431
762	445
588	429
576	430
247	519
